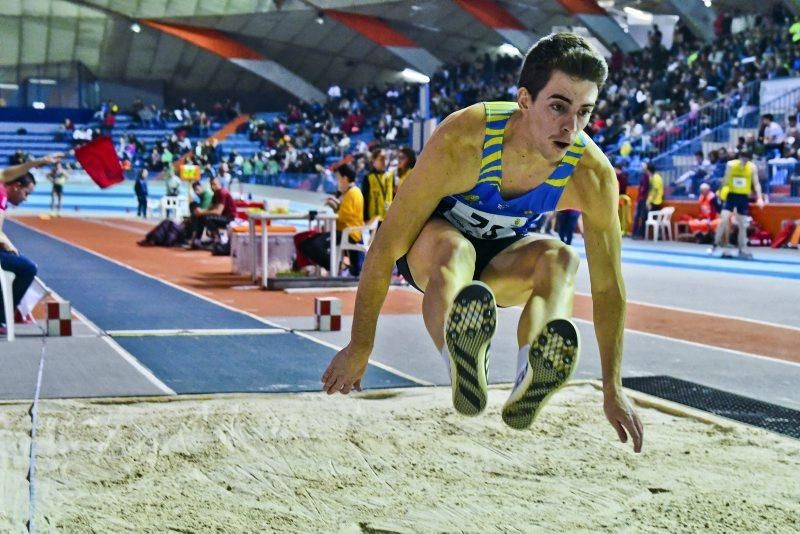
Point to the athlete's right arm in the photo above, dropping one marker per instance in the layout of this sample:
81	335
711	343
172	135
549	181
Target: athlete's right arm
446	166
12	173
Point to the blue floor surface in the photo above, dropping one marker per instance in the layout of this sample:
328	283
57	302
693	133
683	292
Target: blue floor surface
116	298
226	364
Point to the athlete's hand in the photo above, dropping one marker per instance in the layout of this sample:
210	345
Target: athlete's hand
345	371
623	418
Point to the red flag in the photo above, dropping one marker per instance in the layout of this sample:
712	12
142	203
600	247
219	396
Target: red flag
99	159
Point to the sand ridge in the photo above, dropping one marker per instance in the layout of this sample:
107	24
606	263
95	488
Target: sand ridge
398	461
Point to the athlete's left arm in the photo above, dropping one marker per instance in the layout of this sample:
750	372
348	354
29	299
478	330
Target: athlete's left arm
757	188
597	195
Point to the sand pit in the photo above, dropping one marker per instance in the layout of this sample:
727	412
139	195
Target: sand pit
390	461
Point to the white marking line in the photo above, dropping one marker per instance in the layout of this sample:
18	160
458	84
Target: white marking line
371	362
127	356
702	345
332	289
131	359
197	332
710	314
137	231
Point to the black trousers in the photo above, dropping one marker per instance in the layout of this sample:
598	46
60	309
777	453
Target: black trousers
318	250
212	223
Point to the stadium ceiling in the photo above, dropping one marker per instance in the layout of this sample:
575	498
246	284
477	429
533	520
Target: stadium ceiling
97	33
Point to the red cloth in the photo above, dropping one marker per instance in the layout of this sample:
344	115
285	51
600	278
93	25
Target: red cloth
99	159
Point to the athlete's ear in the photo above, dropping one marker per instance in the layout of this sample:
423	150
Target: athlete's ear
524	98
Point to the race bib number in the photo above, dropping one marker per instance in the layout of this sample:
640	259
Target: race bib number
484	225
739	182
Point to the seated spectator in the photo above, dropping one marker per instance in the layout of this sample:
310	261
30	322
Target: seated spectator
350	207
217	216
15	192
691	179
705	223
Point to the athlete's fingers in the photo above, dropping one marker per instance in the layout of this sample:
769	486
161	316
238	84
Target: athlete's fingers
633	432
623	437
336	384
357	385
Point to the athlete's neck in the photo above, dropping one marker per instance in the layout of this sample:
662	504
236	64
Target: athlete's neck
519	142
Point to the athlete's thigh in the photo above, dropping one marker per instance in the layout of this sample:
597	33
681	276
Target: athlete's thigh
438	244
510	273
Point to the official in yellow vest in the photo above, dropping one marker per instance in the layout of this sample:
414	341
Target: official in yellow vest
378	188
741	177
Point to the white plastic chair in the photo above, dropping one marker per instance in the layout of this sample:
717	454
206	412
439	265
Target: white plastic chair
367	235
170	204
659	220
6	281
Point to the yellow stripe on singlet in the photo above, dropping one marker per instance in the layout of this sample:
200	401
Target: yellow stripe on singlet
491	158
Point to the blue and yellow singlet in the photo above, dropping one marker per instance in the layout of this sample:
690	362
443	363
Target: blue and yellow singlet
482	212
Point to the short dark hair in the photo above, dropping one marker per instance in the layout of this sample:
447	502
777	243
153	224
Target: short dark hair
197	183
409	153
24	181
347	171
567	52
651	166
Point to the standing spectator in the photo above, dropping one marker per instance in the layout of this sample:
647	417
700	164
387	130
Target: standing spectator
655	194
567	220
377	188
640	216
16	192
624	207
58	177
140	188
406	159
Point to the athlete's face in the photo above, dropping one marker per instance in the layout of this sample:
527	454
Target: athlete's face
562	109
17	194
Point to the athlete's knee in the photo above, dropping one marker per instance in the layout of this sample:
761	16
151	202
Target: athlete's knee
453	257
557	261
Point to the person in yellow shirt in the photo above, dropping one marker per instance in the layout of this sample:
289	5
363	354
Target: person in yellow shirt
378	188
741	177
350	208
655	195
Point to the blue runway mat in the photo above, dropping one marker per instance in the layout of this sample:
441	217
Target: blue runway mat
116	298
226	364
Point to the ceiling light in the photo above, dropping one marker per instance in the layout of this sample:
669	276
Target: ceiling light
135	28
508	50
42	81
415	77
38	105
9	86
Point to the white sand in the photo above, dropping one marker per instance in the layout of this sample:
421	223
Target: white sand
397	461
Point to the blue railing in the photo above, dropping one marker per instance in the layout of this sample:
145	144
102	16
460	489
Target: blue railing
690	125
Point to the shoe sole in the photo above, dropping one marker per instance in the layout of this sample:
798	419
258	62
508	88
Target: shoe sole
552	359
468	333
